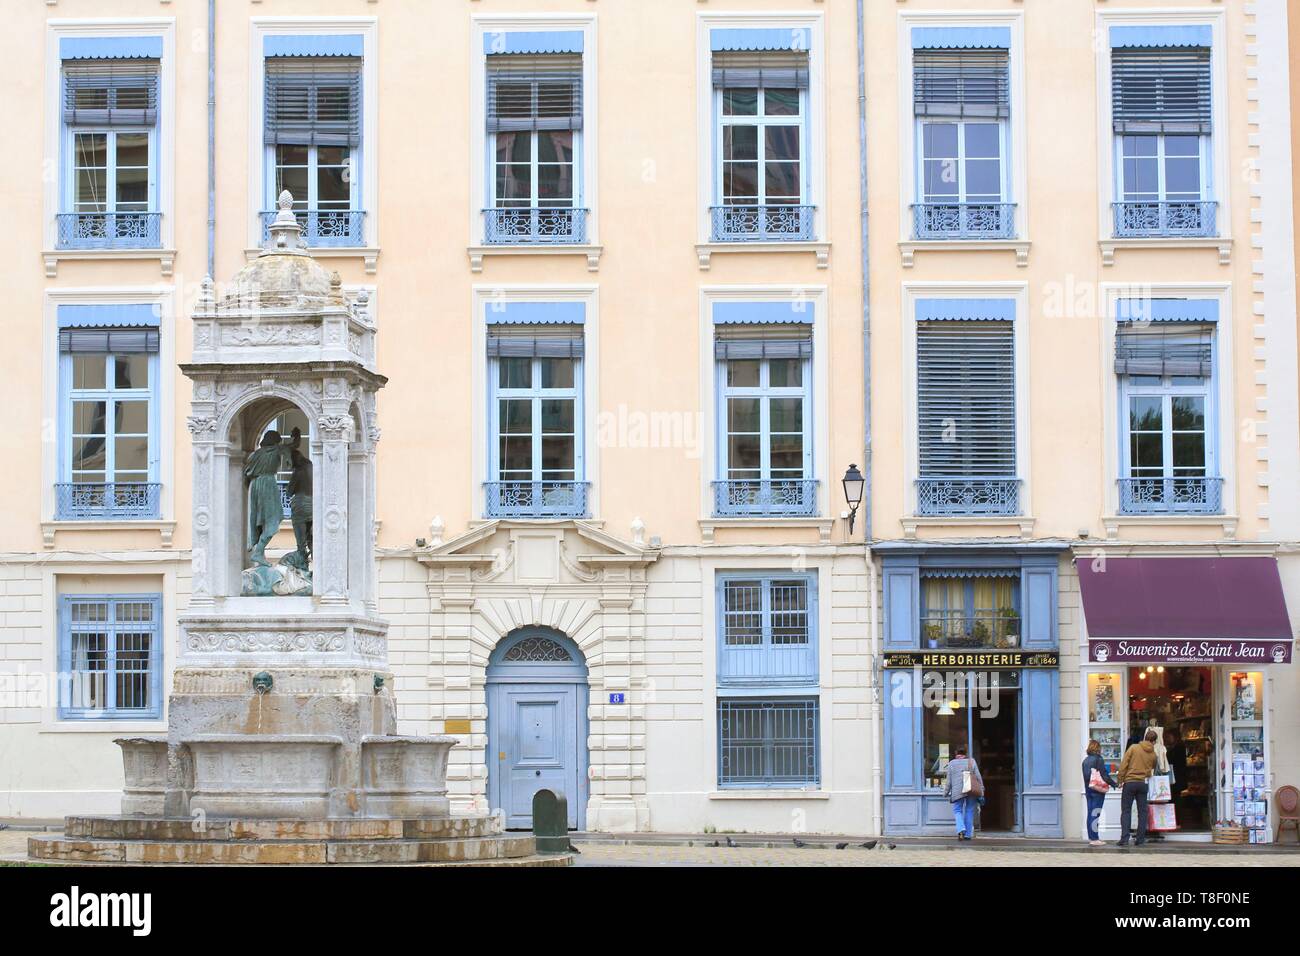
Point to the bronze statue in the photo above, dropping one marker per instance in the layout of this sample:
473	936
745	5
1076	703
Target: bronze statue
265	507
300	511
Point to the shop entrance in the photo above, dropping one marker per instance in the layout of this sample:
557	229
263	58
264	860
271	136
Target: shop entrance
1179	701
994	741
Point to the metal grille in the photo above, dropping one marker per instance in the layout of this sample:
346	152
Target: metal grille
109	230
1190	495
534	224
111	663
964	220
1142	219
84	501
784	496
538	649
789	612
768	742
746	223
742	613
536	499
323	227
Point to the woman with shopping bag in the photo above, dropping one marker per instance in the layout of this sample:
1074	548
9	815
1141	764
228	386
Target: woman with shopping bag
964	788
1097	782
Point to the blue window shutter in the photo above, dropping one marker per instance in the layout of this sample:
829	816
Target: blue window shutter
1038	600
961	84
65	653
1161	90
541	92
110	92
903	744
312	101
902	605
1040	742
767	629
966	399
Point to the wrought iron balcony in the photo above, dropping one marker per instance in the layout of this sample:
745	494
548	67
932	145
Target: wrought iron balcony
106	501
323	228
741	223
1158	496
536	499
109	230
968	496
958	630
964	220
534	225
1148	220
778	497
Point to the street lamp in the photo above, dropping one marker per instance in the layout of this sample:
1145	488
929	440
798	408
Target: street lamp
854	484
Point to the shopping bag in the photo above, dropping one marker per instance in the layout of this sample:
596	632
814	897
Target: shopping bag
1160	816
965	781
1097	782
1158	790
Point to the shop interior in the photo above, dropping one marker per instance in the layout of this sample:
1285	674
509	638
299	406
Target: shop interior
1180	702
980	712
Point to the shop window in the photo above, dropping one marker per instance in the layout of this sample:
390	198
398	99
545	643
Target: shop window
961	611
1250	793
1105	691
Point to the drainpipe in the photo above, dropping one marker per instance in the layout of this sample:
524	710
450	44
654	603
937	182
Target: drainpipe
873	616
212	136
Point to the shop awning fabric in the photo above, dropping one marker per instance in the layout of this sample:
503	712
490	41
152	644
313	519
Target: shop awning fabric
1194	607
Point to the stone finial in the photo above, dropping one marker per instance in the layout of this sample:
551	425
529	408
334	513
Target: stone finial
286	234
436	527
638	532
207	295
336	281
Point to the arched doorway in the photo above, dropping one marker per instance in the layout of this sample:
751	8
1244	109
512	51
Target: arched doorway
537	724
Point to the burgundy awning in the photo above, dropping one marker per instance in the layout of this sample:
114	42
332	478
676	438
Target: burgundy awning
1164	603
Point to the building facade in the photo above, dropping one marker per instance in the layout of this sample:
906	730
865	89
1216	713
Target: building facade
634	337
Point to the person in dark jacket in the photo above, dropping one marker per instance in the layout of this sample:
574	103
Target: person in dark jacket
1134	771
1096	799
963	802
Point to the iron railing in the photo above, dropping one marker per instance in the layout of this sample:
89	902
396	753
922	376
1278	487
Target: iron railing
109	230
958	629
1181	219
964	220
534	225
968	496
780	223
536	499
89	501
768	743
323	227
1185	495
768	497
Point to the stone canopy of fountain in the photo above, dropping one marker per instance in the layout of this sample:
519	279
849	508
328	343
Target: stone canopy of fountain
281	743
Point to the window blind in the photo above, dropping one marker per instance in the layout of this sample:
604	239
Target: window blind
774	69
1185	352
313	101
757	342
108	340
542	92
966	399
110	92
532	342
1161	91
961	83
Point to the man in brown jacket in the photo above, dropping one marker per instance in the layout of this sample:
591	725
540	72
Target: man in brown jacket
1134	770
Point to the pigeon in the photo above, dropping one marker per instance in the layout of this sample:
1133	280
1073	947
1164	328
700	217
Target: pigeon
869	845
731	842
799	843
892	846
840	846
715	843
574	849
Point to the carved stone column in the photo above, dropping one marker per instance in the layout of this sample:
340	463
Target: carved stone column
331	566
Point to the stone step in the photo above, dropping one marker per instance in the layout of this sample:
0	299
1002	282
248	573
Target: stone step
258	830
67	849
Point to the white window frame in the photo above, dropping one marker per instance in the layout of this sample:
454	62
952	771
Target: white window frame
1215	165
69	395
536	394
482	143
1015	180
912	292
365	158
1206	171
764	392
1167	391
1004	182
1115	432
816	406
760	121
58	189
709	127
69	167
483	385
164	395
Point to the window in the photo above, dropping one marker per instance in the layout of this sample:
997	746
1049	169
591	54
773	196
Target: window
1166	372
1161	108
970	611
312	135
108	460
761	105
534	123
110	120
966	407
110	656
767	654
536	415
765	406
961	100
768	629
768	743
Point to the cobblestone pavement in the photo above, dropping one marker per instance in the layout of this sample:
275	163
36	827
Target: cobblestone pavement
603	854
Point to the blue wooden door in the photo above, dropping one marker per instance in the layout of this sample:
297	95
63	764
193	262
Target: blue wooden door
536	747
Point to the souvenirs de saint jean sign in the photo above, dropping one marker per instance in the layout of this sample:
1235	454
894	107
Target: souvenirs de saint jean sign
1163	651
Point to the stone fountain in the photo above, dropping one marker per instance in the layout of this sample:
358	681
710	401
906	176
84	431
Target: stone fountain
281	741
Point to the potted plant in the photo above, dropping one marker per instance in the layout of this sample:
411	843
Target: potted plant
979	634
1011	626
933	634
